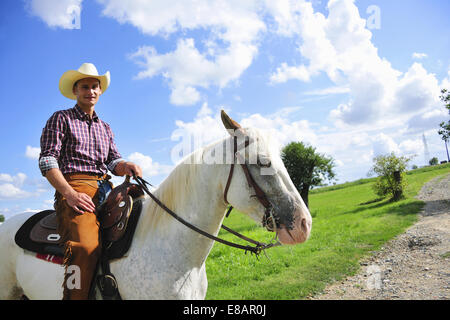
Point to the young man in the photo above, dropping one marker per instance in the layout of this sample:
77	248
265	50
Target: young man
77	149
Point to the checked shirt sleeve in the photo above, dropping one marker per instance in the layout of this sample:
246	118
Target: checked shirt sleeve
114	156
51	142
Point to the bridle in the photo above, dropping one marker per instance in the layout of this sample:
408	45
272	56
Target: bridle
268	220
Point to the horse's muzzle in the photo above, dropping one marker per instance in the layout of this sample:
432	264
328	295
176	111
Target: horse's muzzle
298	231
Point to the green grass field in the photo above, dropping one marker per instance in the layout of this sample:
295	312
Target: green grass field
349	222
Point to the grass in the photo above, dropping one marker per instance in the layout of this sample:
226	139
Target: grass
349	222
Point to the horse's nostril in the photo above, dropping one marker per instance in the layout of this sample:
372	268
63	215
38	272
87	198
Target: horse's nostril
304	225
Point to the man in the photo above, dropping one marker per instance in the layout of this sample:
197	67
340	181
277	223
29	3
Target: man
77	149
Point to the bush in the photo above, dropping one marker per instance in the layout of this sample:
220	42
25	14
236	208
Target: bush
390	170
433	161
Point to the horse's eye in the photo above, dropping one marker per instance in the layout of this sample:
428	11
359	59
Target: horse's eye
264	162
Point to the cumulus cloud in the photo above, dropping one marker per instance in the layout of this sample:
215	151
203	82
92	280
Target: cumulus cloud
57	14
384	144
149	167
227	52
340	46
207	127
11	186
32	152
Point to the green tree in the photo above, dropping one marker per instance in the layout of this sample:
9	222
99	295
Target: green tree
433	161
306	167
444	132
2	218
390	170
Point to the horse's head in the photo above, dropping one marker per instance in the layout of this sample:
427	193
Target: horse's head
277	203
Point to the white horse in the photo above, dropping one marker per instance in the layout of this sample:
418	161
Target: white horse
167	259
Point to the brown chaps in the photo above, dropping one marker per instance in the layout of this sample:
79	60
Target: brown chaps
80	236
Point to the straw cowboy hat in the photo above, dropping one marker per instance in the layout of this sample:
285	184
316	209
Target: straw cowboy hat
87	70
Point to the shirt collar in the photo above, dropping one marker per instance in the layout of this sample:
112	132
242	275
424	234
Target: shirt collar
83	115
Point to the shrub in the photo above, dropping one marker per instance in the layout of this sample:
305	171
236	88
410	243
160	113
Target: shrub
390	170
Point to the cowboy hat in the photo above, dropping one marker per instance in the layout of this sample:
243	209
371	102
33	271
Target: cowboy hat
87	70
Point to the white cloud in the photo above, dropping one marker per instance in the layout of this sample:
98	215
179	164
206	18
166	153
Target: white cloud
149	167
10	191
10	186
416	90
205	128
187	68
426	120
62	13
32	152
229	49
17	180
340	46
328	91
417	55
285	73
411	147
384	144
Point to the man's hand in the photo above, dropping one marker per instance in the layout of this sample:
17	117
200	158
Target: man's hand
78	201
128	168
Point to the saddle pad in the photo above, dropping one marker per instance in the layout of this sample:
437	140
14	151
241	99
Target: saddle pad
23	240
113	250
49	222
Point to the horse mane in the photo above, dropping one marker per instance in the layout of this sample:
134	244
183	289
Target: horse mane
171	192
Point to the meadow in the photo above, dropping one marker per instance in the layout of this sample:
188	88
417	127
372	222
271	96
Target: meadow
349	222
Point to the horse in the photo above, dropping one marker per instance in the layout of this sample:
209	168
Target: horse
166	259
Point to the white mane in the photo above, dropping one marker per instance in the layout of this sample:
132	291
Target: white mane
171	192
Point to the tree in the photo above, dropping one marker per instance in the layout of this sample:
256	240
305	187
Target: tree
306	167
433	161
390	170
444	132
2	218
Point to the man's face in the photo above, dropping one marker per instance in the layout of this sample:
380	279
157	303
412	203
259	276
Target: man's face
87	91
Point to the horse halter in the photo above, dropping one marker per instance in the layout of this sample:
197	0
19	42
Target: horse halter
268	221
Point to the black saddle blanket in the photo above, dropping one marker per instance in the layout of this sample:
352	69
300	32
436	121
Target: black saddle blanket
112	250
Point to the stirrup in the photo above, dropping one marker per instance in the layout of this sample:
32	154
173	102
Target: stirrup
108	286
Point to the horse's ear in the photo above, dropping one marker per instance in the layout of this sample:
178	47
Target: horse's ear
228	122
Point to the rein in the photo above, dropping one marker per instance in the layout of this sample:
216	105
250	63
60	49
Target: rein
259	246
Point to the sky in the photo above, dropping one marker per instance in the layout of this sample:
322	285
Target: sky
354	79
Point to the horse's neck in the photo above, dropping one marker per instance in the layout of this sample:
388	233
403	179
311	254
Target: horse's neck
197	198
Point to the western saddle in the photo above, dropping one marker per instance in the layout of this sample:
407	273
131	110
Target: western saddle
118	217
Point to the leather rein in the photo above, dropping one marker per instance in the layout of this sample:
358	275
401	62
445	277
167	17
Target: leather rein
268	220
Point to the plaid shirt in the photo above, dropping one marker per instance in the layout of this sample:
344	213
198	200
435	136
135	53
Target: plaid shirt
73	143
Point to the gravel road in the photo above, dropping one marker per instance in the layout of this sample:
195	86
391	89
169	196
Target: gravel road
413	266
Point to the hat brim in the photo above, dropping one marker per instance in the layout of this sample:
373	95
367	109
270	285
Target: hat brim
69	78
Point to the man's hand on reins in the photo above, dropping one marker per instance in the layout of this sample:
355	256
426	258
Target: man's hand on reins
128	168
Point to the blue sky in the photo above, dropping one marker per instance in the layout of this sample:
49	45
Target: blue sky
353	78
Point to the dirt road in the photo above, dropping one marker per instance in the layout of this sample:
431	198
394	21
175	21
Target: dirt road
413	266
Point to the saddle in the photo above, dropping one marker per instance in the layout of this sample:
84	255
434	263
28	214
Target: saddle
118	217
